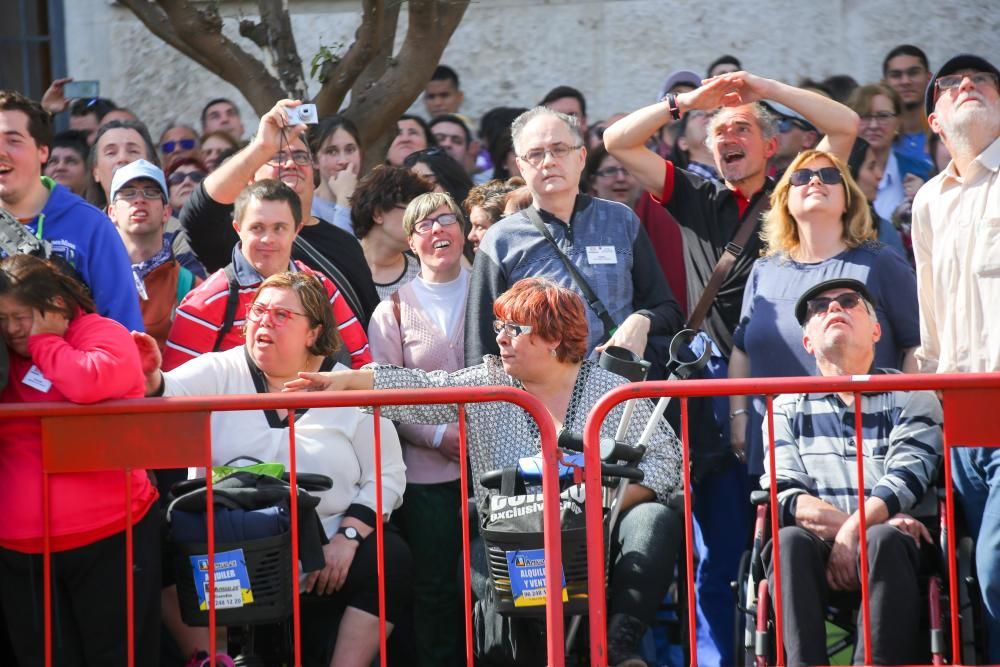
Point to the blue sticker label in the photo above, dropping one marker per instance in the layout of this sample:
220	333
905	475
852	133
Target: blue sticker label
527	577
232	582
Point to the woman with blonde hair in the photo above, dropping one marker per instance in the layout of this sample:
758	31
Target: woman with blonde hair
819	228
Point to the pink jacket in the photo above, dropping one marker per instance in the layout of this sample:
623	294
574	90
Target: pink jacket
95	361
416	342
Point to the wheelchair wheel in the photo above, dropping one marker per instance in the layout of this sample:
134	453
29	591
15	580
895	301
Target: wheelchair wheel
969	603
744	620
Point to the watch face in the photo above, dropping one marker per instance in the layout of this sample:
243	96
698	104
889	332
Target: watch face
351	533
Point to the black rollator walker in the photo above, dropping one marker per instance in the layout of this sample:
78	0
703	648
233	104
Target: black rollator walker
511	516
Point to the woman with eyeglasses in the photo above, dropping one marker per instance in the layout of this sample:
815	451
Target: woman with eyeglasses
177	142
608	179
183	176
880	109
290	327
819	228
422	326
541	330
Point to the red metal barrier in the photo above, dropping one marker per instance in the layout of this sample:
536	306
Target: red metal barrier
123	435
966	398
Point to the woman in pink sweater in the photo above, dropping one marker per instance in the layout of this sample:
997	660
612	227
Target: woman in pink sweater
60	350
423	326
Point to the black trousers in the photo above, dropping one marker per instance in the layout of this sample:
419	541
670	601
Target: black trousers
893	567
88	609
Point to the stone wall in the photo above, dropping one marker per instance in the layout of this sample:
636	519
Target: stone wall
510	52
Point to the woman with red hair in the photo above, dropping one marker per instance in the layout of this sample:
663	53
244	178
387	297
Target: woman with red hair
541	330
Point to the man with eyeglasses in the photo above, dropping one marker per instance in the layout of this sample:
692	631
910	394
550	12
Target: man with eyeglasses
578	242
140	211
905	69
278	151
816	475
69	228
956	244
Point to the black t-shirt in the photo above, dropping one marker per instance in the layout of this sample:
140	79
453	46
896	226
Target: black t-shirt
709	215
209	225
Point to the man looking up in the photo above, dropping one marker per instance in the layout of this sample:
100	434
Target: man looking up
603	240
221	115
905	70
742	137
815	463
442	94
957	252
140	211
79	234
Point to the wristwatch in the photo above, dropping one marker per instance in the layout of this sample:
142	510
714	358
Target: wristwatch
351	533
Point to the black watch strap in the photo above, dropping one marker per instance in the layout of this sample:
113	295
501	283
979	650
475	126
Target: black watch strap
351	533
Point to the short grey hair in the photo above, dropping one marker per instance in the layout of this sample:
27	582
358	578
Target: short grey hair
766	121
517	127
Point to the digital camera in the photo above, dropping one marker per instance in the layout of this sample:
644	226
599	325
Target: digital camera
303	114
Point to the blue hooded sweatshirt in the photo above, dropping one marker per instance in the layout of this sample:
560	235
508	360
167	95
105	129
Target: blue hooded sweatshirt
86	238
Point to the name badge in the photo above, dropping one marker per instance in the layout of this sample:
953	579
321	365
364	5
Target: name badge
601	254
34	379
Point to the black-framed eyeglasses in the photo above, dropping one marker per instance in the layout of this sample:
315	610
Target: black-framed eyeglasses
821	304
979	79
128	194
827	175
427	224
612	172
535	156
880	117
169	147
179	177
300	158
511	329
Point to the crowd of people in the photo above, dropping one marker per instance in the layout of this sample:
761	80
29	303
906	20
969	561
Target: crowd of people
824	228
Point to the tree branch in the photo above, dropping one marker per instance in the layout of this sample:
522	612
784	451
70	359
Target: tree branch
274	35
358	56
201	32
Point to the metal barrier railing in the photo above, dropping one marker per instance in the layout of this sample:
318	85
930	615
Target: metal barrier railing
966	398
122	435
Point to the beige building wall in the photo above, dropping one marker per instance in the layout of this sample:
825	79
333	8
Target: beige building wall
510	52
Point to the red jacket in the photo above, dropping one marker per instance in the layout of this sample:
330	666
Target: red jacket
201	313
95	361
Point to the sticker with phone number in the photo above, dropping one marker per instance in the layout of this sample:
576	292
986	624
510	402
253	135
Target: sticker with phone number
527	577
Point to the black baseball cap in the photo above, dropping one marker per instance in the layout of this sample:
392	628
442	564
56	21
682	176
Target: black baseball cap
959	62
801	306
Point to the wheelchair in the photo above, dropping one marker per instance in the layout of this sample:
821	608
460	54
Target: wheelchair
754	640
253	558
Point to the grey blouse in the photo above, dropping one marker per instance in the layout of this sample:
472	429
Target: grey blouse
500	433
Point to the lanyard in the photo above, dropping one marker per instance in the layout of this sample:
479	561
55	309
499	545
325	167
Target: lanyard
40	227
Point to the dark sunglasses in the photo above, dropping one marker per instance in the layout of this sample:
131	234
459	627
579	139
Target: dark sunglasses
179	177
827	175
821	304
184	145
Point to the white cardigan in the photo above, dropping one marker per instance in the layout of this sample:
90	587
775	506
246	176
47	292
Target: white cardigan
337	442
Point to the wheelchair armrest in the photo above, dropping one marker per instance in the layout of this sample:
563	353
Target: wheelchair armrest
760	497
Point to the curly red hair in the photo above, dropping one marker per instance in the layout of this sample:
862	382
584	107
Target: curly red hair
554	313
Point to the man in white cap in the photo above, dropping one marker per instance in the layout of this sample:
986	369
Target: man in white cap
140	210
956	244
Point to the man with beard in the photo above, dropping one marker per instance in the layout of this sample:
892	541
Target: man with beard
956	244
742	137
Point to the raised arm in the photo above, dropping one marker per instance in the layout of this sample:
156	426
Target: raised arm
226	182
626	140
838	123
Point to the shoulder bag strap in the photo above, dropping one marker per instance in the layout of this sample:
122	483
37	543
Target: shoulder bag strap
319	261
592	300
232	303
725	264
